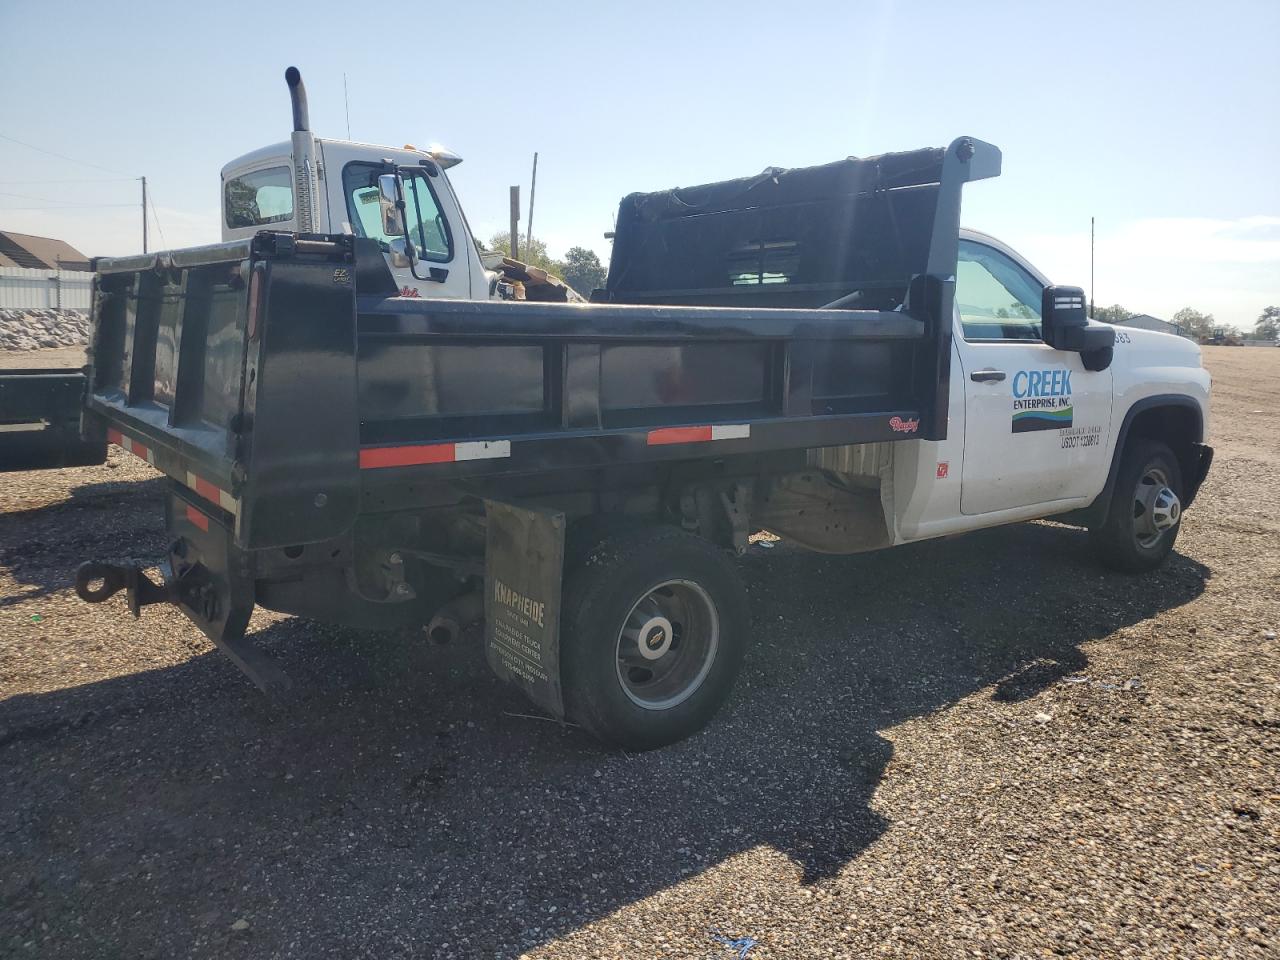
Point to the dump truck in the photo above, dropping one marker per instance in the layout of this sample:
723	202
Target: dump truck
821	352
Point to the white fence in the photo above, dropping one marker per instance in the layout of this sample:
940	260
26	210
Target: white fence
23	288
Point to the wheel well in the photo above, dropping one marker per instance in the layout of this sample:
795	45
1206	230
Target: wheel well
1176	425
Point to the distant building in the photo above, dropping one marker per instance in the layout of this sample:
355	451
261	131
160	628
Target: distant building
1144	321
39	253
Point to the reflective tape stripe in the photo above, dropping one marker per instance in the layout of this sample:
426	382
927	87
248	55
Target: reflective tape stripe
371	458
137	448
718	431
198	518
210	491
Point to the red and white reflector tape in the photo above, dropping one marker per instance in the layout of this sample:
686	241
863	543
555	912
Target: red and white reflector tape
133	446
212	492
717	431
371	458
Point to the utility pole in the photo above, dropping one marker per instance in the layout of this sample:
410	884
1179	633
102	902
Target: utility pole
533	192
144	214
1091	266
515	223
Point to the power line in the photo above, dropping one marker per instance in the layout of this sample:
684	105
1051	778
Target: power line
61	156
155	214
76	206
76	180
27	196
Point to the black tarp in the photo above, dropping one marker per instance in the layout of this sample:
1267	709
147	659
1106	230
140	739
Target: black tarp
786	237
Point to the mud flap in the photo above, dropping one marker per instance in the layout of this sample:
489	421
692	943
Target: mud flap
524	561
211	581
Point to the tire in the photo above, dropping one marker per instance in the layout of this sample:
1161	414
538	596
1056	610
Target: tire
672	592
1142	524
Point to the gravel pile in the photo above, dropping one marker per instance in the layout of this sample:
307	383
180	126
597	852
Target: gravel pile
978	747
42	329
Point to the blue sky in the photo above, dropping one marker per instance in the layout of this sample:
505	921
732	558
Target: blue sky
1160	119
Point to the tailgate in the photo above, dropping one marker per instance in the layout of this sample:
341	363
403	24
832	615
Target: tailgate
231	368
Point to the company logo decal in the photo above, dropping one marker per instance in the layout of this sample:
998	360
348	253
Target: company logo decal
898	425
1041	400
944	468
408	291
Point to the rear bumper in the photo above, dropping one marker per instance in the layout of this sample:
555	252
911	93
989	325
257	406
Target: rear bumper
1203	461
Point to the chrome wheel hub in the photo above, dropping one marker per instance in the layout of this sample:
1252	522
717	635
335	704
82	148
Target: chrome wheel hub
667	645
1156	508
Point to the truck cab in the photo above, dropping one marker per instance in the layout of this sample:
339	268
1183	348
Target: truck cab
310	185
259	190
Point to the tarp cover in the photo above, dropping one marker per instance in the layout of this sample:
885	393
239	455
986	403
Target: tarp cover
787	237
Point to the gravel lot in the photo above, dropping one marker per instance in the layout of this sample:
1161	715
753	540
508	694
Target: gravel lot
977	747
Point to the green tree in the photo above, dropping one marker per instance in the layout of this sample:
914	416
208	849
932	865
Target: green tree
1267	326
534	253
1199	325
1112	314
583	270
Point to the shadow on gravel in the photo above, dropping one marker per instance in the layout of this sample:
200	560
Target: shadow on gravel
43	546
397	808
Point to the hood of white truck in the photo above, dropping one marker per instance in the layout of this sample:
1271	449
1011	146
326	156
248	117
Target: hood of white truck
1149	348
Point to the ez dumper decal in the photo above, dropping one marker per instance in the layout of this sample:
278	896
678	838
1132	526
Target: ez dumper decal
1041	400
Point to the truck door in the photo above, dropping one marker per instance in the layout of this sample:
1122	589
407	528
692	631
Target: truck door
432	218
1036	421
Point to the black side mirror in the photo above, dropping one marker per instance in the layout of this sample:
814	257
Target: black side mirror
1065	326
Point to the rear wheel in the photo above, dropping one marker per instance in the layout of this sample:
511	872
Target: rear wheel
654	630
1146	510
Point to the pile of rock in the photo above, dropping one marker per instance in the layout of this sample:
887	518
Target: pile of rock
35	329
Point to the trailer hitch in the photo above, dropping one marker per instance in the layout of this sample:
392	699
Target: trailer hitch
142	590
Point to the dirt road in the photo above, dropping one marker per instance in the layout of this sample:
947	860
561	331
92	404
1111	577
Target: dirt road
981	747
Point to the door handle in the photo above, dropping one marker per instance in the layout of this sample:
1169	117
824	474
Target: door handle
987	376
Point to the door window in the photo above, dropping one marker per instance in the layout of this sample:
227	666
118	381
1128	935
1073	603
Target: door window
260	197
428	229
997	299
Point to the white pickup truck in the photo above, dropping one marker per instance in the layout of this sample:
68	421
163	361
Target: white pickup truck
360	430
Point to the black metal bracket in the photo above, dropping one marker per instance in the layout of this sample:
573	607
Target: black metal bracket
142	590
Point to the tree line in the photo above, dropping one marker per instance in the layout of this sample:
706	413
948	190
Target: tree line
1201	325
580	268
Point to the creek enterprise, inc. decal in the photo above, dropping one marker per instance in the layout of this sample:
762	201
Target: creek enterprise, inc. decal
1041	400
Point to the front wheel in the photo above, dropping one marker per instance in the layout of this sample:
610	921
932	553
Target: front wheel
1146	510
653	635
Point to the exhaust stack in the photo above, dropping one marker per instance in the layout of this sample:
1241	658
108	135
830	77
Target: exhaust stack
298	96
304	154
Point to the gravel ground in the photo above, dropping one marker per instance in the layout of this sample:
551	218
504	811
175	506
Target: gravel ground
977	747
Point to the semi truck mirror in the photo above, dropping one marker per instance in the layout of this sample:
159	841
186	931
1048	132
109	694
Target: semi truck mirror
391	204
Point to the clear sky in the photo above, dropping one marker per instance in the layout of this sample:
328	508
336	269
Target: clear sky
1161	119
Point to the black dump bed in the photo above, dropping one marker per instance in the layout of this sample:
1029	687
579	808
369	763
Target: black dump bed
287	387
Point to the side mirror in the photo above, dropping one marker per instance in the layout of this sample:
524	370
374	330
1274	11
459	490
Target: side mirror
1065	326
391	205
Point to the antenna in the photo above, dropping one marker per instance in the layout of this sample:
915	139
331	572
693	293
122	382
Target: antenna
1091	266
346	103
